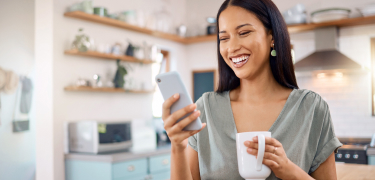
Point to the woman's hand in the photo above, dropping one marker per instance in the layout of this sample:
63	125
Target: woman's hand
175	130
275	158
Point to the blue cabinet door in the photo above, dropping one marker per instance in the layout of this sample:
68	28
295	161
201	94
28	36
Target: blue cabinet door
78	170
142	177
132	168
161	176
160	163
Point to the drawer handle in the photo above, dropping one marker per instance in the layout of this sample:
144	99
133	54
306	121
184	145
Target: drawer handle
165	162
131	168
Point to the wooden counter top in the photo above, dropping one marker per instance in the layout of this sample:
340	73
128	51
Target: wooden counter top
355	171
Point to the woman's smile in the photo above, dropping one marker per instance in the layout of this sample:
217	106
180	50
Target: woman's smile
239	60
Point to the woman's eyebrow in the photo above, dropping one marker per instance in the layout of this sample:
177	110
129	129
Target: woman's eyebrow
238	27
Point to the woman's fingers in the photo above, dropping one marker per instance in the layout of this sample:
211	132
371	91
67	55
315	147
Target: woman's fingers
183	123
267	155
271	164
269	141
182	135
255	145
167	105
173	118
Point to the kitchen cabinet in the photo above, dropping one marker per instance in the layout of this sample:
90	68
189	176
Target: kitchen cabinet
149	165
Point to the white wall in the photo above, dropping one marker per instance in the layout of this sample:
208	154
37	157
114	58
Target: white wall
44	88
76	106
353	42
17	152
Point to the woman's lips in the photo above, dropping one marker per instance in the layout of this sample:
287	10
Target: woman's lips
241	63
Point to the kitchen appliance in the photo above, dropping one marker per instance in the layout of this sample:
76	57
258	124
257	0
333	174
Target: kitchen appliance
353	151
98	137
326	55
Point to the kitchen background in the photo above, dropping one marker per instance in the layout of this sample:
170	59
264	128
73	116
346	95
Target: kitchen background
35	34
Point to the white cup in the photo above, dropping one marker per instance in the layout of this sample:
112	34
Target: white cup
249	166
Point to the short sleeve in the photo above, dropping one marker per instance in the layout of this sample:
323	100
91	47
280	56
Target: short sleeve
192	140
328	142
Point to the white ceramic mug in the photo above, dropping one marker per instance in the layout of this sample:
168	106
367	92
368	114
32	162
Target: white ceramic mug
249	166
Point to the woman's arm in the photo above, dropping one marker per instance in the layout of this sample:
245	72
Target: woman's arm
180	164
326	170
180	168
192	156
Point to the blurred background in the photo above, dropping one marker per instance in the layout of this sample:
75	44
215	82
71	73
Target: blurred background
77	89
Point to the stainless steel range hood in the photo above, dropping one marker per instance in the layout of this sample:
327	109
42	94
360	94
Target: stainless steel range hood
326	56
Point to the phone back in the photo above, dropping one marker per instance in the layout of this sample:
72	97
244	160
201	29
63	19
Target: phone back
169	84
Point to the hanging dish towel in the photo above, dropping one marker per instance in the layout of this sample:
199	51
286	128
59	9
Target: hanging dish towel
26	95
3	76
11	82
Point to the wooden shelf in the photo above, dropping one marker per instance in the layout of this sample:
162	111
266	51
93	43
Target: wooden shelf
339	23
121	24
107	56
191	40
102	89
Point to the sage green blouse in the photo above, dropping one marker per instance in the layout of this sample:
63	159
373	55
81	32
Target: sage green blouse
304	127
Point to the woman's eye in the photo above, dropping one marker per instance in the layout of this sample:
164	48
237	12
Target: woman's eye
244	33
222	39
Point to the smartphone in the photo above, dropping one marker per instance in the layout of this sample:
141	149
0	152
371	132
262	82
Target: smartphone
169	84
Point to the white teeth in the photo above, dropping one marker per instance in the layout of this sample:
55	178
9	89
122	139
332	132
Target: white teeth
236	60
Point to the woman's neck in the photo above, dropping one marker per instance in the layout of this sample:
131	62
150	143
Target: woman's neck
260	89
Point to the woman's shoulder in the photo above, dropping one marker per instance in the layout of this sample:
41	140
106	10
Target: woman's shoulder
209	97
309	98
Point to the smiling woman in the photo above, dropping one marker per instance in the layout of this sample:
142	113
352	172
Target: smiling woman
266	31
257	91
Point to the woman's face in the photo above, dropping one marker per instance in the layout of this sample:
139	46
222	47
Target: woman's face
244	42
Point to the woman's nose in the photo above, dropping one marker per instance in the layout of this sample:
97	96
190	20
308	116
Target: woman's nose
233	45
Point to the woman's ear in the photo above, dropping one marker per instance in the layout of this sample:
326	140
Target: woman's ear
271	38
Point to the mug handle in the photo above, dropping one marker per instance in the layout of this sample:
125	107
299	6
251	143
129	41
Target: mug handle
261	148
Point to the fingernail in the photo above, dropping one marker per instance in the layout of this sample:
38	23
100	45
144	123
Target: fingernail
247	143
254	138
175	95
249	149
192	106
197	112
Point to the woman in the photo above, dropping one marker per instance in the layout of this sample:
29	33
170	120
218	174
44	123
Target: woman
257	92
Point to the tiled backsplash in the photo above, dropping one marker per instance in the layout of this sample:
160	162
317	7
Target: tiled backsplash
349	98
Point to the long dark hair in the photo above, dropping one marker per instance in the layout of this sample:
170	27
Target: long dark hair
282	65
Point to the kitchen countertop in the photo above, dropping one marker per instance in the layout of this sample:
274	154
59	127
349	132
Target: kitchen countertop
119	156
344	171
355	171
